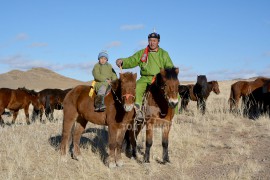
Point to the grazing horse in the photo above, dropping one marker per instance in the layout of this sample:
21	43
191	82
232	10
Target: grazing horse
186	93
50	99
159	104
243	88
79	109
257	102
16	99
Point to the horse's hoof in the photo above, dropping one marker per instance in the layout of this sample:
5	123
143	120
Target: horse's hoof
120	163
165	161
112	165
64	158
78	158
146	161
28	123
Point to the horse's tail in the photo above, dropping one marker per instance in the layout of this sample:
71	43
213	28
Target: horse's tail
231	99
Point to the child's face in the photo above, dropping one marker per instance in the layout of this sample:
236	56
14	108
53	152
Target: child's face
102	60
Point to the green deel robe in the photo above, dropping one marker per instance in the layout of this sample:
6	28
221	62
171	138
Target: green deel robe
155	61
101	72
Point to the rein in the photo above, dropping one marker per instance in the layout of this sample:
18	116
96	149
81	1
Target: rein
125	95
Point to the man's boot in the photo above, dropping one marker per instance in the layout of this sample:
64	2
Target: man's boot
139	114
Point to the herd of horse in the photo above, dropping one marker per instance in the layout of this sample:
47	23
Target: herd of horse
160	101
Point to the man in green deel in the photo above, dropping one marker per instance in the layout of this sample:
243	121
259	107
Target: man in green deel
150	60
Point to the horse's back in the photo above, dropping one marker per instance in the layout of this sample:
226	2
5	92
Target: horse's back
76	94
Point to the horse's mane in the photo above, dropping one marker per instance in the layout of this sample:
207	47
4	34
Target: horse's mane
127	76
115	84
31	92
170	73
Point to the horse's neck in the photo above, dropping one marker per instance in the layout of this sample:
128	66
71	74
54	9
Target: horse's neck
257	83
156	96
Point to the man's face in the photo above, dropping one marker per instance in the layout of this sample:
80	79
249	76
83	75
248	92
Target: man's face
153	43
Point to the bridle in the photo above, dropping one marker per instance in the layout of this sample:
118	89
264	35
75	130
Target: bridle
128	95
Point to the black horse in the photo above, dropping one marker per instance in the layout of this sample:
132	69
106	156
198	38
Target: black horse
50	99
186	93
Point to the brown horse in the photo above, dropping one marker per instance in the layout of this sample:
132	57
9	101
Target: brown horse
243	88
186	93
16	99
159	106
79	109
50	99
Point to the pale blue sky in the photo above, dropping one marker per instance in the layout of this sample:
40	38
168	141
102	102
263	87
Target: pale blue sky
223	39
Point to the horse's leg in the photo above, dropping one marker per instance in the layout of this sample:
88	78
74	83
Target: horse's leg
119	141
165	142
203	106
199	104
48	112
79	128
112	145
185	103
2	110
70	115
130	137
26	112
149	142
15	114
41	114
51	114
182	106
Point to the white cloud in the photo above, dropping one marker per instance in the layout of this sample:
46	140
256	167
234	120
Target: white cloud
143	43
38	44
267	54
23	63
113	44
131	27
21	37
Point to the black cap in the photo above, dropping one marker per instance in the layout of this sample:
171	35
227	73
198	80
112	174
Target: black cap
154	35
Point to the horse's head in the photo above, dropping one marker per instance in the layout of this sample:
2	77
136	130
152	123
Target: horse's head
34	97
168	83
266	87
127	89
215	87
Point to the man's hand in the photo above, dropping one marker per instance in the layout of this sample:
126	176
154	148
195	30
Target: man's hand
119	62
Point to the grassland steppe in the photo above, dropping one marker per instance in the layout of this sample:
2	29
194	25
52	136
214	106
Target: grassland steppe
217	145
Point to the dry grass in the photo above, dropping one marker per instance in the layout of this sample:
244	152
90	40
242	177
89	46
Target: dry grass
218	145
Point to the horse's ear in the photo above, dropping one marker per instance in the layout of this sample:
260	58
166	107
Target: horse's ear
121	75
177	70
162	72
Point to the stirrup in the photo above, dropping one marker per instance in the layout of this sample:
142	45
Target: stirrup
139	113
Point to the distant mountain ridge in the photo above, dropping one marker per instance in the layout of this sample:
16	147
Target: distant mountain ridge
37	78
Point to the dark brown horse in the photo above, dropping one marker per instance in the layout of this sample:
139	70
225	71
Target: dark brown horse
243	88
50	99
186	93
257	102
16	99
159	107
79	109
